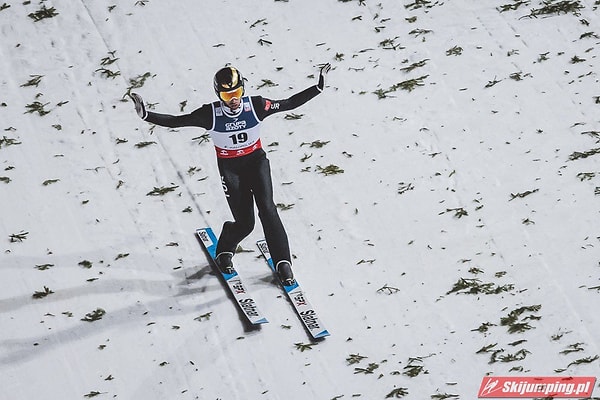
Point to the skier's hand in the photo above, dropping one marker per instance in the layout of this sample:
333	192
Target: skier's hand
325	68
139	105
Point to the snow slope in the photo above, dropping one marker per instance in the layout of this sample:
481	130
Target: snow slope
468	139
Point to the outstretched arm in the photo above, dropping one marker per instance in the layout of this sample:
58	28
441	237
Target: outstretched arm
325	68
265	107
201	117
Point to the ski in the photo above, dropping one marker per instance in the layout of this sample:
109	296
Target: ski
303	308
243	298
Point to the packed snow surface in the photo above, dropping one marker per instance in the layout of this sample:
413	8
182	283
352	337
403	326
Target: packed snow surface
441	196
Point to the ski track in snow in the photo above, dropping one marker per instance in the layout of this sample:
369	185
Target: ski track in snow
466	176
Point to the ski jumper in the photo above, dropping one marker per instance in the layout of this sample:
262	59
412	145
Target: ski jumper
243	164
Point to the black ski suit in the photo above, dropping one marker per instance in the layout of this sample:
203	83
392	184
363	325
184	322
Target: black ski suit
243	164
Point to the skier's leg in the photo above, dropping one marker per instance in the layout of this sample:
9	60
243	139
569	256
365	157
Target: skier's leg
273	228
241	204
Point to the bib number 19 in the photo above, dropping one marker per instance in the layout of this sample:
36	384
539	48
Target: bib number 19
240	137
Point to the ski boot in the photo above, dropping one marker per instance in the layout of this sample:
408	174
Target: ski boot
223	261
284	271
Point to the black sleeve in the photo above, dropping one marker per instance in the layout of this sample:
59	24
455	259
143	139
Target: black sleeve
265	107
201	117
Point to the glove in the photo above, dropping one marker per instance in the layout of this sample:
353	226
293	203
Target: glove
325	68
139	105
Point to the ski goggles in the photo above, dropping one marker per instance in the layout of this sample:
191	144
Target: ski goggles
227	96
